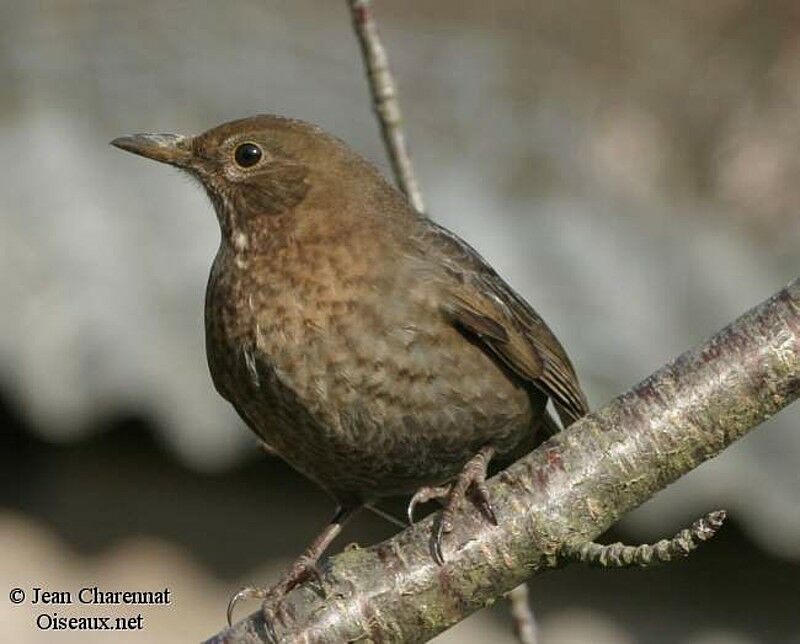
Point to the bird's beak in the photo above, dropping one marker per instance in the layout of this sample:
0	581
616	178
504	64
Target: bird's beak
167	148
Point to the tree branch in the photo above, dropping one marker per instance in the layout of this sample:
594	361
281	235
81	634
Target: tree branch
384	99
569	490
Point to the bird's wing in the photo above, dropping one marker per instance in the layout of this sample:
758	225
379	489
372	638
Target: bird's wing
479	302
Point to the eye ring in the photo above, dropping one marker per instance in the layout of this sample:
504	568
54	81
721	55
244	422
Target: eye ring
247	154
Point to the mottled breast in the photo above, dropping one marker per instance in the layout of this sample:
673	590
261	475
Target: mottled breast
346	366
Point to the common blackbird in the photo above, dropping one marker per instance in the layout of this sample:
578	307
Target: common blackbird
372	349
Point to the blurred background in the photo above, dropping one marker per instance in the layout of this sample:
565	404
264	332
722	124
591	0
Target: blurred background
631	167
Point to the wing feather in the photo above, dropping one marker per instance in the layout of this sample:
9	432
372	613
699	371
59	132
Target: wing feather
480	302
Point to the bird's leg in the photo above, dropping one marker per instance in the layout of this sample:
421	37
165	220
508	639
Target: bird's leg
471	481
303	569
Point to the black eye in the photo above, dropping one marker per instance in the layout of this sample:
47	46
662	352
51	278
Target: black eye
247	155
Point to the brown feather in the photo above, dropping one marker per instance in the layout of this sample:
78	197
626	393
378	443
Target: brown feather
481	302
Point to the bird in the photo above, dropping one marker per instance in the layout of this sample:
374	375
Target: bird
372	349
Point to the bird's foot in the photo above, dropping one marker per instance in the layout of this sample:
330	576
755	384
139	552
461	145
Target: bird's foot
425	494
470	482
302	570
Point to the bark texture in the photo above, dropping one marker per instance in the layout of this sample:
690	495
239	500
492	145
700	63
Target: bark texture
570	490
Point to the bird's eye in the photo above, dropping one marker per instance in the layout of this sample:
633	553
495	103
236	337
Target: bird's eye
247	155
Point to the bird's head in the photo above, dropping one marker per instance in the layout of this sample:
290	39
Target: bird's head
256	167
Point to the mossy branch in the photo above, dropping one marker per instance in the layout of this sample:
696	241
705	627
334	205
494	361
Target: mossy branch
568	491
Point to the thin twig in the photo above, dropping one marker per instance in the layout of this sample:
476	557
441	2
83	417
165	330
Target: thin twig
521	611
618	555
384	99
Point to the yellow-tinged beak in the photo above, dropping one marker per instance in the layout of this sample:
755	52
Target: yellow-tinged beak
167	148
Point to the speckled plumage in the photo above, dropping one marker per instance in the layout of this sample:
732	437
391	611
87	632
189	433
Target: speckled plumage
335	352
329	329
373	350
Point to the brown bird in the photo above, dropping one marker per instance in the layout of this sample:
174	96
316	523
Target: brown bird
373	350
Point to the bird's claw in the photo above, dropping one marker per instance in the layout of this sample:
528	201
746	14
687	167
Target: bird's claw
246	592
304	569
441	529
267	611
472	482
313	573
423	495
480	497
